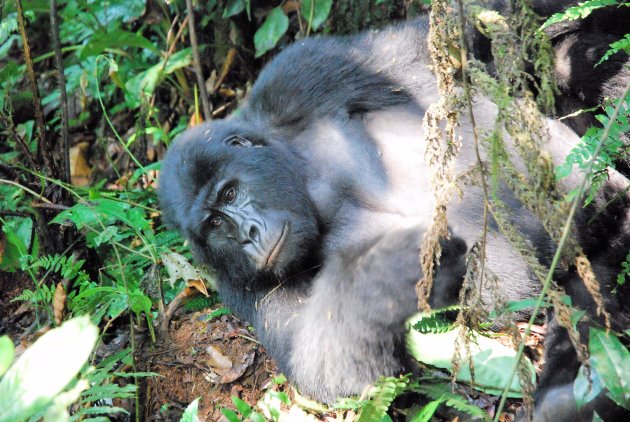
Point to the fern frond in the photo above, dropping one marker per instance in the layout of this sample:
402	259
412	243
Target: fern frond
381	397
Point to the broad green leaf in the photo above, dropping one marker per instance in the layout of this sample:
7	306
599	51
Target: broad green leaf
191	414
611	360
115	39
315	11
46	368
103	211
583	391
234	7
493	362
270	32
7	353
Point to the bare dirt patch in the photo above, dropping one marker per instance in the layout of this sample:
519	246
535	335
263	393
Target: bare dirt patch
207	356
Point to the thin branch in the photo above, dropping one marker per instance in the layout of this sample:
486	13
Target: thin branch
37	104
197	61
8	123
65	147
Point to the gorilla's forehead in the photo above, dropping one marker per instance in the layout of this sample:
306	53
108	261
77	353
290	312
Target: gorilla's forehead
204	158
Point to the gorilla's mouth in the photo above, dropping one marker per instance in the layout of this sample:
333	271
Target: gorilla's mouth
275	251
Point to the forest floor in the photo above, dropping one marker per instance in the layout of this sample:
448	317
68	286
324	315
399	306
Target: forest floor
210	355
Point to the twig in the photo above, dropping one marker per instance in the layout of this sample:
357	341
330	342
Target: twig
65	152
8	123
44	205
25	189
37	104
171	48
205	104
15	213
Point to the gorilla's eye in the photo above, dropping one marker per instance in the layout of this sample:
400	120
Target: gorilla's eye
229	195
215	223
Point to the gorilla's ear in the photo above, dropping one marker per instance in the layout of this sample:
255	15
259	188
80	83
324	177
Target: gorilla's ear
241	142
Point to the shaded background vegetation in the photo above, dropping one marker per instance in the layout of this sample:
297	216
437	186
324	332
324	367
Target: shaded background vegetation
79	152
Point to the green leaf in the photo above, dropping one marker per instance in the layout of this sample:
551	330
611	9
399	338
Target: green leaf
46	368
580	11
257	417
234	7
611	360
191	414
426	413
103	211
315	11
18	239
622	44
7	353
493	362
242	406
230	415
270	32
115	39
583	391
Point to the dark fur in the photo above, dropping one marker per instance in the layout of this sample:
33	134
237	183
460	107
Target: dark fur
578	45
331	144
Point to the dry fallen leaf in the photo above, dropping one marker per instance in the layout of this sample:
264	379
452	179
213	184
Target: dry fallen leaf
236	372
218	360
59	303
80	170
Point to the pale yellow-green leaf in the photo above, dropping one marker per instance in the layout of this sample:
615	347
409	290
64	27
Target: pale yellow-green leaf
46	368
493	362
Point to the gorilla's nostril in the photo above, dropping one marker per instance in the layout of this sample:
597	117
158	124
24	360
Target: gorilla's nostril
253	232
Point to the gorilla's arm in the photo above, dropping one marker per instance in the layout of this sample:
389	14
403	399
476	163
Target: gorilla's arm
339	332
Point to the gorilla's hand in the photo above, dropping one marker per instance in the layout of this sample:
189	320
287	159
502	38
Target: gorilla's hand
352	329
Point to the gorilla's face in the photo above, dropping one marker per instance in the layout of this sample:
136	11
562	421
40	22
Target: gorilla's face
241	202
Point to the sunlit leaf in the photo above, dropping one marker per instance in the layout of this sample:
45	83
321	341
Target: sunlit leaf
493	362
46	368
191	414
7	353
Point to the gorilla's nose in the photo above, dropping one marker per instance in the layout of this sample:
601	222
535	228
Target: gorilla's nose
248	232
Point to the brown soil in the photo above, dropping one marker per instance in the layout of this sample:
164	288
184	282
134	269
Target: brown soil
191	362
15	317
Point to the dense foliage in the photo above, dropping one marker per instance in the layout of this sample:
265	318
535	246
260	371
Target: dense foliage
91	95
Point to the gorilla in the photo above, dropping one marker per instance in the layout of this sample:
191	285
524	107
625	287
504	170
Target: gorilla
311	201
578	44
